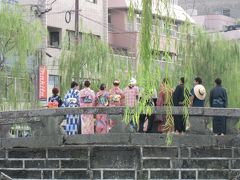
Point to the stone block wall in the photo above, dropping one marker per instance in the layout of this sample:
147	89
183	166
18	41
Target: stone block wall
121	162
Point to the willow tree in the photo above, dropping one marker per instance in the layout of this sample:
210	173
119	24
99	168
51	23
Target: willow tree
94	60
19	39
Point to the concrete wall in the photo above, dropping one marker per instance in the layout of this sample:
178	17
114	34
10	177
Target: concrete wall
116	160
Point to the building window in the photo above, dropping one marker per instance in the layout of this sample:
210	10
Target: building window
54	37
138	22
54	80
92	1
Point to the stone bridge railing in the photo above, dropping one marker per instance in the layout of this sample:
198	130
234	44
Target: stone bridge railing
45	123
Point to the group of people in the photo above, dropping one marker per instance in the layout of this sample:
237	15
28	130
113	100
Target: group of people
218	98
86	97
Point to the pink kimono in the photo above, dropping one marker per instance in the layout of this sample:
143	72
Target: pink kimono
102	124
116	97
87	99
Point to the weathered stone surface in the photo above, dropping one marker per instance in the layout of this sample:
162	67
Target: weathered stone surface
96	174
118	175
2	154
78	153
236	153
213	174
11	164
164	174
160	152
69	174
211	152
142	175
148	139
74	164
235	164
188	174
47	174
198	125
41	164
23	174
156	163
32	142
115	157
184	152
205	163
27	153
98	139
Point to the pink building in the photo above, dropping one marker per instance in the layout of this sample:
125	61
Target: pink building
124	35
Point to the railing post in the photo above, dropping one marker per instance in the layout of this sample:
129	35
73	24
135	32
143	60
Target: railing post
232	125
198	125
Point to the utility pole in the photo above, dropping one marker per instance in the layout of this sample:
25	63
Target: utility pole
77	21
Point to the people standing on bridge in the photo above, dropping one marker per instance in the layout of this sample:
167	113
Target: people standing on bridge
55	100
71	99
102	120
87	99
164	99
131	94
218	98
178	100
198	93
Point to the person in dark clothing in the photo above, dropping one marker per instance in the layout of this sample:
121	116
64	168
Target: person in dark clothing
198	93
218	98
178	98
150	118
55	100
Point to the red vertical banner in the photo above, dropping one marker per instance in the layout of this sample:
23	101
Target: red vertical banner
43	82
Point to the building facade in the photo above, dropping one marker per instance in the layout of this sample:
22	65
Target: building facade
209	7
124	34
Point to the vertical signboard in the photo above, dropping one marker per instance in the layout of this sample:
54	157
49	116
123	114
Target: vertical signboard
42	82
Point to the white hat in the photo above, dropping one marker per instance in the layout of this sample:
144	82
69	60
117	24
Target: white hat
200	91
133	81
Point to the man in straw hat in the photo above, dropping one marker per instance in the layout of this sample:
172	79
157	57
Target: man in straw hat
198	93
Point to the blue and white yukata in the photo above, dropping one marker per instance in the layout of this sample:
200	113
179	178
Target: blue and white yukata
71	99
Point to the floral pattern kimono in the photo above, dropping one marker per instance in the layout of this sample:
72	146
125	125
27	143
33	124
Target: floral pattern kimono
102	124
116	97
87	99
71	99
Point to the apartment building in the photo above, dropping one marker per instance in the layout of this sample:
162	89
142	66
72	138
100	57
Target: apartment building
59	19
124	35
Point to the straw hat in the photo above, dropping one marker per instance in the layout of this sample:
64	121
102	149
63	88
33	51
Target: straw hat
200	92
133	81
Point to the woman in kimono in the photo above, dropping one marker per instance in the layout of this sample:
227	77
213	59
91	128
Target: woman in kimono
87	99
102	120
71	99
218	98
116	99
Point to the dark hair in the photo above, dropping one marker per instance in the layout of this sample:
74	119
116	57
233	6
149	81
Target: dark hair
102	86
218	81
87	83
165	80
182	79
115	83
198	79
74	84
55	91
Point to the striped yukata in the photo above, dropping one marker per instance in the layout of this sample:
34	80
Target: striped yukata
71	99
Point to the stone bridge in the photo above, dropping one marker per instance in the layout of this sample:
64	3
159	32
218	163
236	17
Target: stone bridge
50	154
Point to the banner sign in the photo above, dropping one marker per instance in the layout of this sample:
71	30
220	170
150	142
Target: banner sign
42	82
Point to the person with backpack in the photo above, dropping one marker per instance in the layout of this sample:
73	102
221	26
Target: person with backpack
71	99
102	120
55	100
87	99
